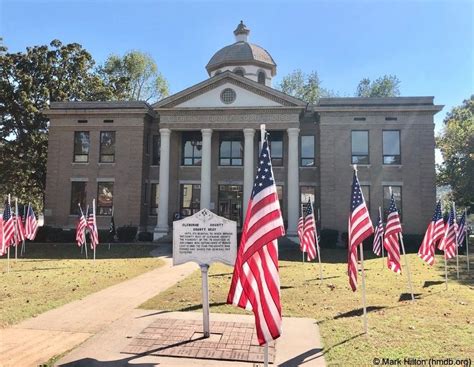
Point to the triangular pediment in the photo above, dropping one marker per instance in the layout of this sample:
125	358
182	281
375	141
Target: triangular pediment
208	94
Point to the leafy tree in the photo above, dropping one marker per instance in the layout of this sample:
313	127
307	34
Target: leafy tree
456	143
385	86
29	81
136	76
306	87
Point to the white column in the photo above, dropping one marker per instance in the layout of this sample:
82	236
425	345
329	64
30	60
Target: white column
249	167
162	228
293	181
206	169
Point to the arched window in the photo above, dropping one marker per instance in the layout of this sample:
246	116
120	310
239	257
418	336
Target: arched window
239	71
261	77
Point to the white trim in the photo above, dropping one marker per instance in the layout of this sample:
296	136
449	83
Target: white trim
392	183
230	182
189	182
79	179
105	179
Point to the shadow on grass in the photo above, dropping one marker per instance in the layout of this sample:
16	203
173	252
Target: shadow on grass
358	312
429	283
317	279
407	296
59	251
219	275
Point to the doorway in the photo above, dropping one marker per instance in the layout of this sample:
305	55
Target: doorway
230	202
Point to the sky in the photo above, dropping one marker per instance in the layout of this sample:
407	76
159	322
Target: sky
427	44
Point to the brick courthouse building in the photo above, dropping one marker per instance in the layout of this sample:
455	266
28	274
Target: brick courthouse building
198	148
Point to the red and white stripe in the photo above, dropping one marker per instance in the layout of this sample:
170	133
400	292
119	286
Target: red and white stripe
434	233
92	225
20	230
309	236
359	228
8	228
31	224
255	283
80	230
300	231
391	244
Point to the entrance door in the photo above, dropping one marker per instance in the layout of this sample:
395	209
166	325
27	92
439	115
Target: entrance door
230	202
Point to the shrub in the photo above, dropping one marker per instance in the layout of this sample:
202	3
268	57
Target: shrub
104	236
145	236
344	238
67	236
41	234
412	242
329	237
127	233
49	234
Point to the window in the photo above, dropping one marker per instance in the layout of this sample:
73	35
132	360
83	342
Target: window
307	151
308	193
107	147
190	199
239	71
155	198
261	77
366	192
360	147
81	146
391	147
105	198
230	150
228	96
276	147
397	195
191	149
155	154
78	196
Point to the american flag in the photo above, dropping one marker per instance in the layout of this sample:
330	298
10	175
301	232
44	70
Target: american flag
31	224
300	231
434	233
462	230
448	243
391	244
378	237
359	228
8	227
20	230
80	229
2	240
309	231
92	226
256	283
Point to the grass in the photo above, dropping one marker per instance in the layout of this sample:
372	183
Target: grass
52	275
439	324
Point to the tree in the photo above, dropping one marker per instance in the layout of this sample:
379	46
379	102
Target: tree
306	87
29	81
385	86
456	143
136	76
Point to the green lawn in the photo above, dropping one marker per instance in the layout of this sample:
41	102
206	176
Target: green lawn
439	324
54	274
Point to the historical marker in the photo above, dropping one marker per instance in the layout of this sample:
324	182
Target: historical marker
204	238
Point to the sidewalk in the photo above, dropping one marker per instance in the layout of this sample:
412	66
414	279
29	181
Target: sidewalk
36	340
299	344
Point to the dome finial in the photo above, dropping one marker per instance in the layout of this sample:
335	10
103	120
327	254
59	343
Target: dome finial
241	32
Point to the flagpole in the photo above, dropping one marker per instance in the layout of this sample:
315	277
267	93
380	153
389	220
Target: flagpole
95	224
8	250
23	244
364	303
302	215
16	229
383	255
85	238
262	138
467	239
456	240
317	243
408	268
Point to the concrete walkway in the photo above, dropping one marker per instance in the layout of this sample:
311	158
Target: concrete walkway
36	340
